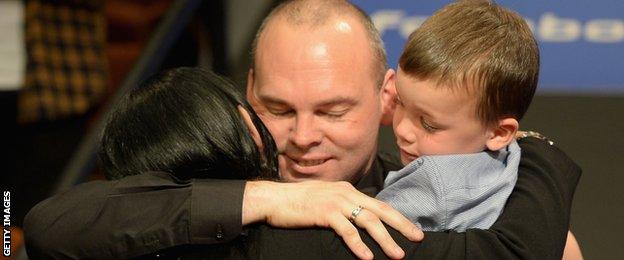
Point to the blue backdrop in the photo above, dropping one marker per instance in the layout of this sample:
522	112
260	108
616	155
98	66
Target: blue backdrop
581	42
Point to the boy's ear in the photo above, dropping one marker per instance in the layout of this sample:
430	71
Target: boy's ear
503	134
388	94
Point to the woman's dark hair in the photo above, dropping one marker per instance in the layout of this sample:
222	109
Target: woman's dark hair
185	121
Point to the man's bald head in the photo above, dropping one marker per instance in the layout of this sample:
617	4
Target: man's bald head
319	66
314	14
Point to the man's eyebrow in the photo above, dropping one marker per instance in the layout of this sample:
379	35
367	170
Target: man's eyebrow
349	101
326	103
272	100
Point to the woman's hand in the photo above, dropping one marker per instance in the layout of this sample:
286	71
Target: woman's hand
330	205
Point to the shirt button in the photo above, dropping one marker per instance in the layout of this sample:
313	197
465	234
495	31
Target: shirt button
420	161
219	230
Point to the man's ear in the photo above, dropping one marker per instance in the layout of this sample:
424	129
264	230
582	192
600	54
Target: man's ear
502	134
388	94
249	92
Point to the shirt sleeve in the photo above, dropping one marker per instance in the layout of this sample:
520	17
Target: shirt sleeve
134	216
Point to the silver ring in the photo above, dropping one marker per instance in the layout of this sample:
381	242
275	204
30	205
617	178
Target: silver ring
355	213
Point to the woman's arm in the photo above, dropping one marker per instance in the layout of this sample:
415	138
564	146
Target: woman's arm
86	221
135	216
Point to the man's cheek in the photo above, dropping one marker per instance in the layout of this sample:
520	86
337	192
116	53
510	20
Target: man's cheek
267	120
354	137
278	130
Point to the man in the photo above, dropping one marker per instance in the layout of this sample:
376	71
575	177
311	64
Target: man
318	73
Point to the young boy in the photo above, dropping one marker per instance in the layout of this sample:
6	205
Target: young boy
465	79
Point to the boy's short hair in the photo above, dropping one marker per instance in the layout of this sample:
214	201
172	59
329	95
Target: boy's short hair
482	48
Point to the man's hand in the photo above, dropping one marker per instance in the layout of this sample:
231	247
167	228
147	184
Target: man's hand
327	204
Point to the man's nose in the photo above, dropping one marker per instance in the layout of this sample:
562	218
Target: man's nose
305	133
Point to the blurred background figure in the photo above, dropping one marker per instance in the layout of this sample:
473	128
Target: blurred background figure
63	62
54	75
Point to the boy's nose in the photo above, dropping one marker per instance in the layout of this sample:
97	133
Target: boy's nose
404	132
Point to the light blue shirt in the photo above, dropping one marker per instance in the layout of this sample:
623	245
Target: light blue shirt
454	192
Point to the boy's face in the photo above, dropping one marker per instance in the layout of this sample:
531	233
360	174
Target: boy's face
431	119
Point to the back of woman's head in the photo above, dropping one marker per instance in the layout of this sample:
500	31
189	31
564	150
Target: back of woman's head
185	121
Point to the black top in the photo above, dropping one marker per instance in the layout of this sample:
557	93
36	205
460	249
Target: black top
147	213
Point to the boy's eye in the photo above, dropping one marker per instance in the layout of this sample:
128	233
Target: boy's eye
427	126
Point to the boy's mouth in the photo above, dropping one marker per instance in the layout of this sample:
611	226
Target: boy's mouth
406	156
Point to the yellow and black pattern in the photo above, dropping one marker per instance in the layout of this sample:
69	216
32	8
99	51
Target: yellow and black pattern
66	63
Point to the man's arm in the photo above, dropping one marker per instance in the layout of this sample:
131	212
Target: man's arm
535	221
135	216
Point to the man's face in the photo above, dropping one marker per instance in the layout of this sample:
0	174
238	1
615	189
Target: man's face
431	119
316	92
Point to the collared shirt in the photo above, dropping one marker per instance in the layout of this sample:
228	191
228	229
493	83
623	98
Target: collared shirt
456	191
